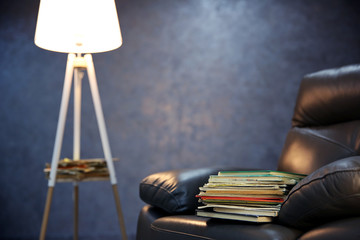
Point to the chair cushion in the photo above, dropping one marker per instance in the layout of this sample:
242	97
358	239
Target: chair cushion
330	193
190	227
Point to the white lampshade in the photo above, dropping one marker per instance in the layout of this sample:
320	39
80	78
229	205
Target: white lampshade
78	26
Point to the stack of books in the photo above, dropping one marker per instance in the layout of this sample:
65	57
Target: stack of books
78	170
254	196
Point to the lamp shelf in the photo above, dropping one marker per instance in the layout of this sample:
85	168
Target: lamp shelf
81	170
85	179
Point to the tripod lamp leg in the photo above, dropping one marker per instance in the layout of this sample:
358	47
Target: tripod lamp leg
119	212
46	213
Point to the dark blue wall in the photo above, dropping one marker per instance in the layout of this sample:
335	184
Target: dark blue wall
196	83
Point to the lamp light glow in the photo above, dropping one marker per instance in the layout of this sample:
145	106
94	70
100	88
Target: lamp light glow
78	26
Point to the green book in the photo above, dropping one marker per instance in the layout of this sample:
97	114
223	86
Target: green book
262	173
254	179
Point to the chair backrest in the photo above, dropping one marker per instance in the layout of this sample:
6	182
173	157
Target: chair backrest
326	121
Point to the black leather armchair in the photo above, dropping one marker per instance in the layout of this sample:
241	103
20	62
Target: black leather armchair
324	142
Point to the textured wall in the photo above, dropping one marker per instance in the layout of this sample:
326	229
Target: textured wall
196	83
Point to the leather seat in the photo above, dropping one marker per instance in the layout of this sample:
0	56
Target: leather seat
192	227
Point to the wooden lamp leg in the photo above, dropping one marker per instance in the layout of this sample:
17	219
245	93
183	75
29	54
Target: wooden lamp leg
104	138
119	211
58	141
46	213
78	75
76	211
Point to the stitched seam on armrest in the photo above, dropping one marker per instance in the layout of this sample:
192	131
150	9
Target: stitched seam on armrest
177	232
165	190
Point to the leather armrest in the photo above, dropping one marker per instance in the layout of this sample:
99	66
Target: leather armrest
174	191
328	194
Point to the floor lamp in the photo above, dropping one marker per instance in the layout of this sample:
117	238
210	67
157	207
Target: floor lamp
79	28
